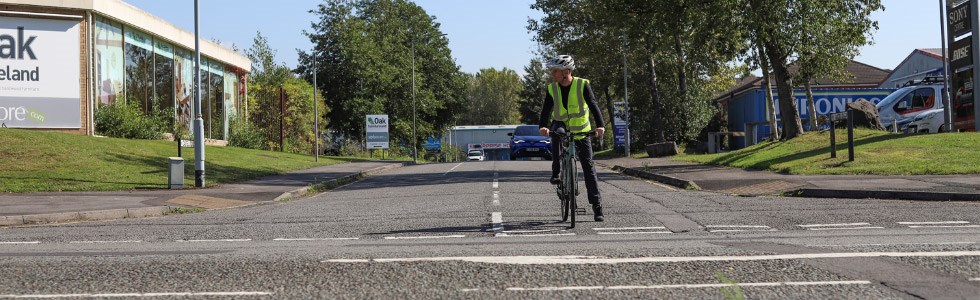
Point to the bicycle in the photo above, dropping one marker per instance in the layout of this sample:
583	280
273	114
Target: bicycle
568	188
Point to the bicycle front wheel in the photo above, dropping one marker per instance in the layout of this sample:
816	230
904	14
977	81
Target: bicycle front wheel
571	189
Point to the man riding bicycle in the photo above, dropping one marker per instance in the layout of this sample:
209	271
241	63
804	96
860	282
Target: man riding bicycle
569	111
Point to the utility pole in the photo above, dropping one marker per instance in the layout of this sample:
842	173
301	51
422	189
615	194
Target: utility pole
316	116
198	120
626	98
947	109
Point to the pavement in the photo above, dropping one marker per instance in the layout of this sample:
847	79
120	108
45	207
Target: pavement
60	207
743	182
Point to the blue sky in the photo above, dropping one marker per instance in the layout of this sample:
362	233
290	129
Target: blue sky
485	33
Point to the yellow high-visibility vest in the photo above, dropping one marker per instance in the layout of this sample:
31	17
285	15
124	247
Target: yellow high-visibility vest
576	117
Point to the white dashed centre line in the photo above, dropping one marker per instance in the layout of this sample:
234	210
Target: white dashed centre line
102	242
496	198
20	243
226	240
689	286
975	279
138	295
833	225
424	237
629	228
314	239
496	184
496	222
933	223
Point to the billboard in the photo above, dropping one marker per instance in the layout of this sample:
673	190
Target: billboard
377	131
40	65
619	124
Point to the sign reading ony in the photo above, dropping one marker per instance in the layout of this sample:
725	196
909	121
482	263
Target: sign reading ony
39	73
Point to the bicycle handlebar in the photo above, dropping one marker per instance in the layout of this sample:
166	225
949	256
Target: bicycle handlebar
571	134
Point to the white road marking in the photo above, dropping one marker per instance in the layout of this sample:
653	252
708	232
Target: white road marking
314	239
531	231
741	230
20	243
846	228
496	198
580	260
896	244
975	279
533	235
944	226
102	242
225	240
629	228
134	295
833	225
633	232
496	222
933	223
736	226
454	168
469	290
496	184
424	237
689	286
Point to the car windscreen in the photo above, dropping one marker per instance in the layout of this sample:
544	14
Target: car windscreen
526	131
891	98
475	153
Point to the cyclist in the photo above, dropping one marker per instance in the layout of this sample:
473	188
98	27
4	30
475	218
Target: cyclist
570	112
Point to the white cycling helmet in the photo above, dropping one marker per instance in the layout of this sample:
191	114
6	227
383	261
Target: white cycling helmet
563	62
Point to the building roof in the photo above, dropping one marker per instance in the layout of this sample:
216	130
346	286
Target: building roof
859	73
934	52
130	15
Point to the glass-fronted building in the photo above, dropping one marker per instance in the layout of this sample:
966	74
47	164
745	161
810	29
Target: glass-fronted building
60	60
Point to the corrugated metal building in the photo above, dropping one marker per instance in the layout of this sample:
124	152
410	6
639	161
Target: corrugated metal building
493	139
919	64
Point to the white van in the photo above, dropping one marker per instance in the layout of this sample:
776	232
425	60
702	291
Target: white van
475	155
905	104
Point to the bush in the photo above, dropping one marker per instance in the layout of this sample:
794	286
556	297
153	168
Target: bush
245	135
127	120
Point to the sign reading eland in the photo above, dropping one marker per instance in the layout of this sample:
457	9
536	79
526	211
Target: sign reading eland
377	131
39	73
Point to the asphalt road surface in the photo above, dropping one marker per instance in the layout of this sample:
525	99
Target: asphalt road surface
488	230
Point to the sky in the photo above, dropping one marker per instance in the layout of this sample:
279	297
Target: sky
491	33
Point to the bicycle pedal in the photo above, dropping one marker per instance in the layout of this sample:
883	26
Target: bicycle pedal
580	211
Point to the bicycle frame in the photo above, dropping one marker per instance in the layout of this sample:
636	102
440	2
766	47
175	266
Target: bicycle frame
568	188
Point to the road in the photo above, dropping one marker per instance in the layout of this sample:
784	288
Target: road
489	230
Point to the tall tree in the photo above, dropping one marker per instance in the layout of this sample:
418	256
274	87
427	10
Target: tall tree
534	84
493	97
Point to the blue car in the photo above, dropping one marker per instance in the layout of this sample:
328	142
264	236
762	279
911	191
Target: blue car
526	141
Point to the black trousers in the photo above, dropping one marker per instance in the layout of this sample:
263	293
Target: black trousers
583	148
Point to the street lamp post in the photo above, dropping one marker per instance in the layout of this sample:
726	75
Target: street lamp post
626	99
198	120
415	140
947	109
316	115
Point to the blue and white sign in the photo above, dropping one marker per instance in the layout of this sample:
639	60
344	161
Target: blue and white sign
377	131
619	124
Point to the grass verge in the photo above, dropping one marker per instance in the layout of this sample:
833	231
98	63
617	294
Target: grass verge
876	152
35	161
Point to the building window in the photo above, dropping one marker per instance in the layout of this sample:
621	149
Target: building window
163	85
139	69
216	99
205	96
184	88
110	70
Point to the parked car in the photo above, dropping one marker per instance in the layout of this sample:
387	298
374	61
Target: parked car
930	121
475	155
916	98
526	141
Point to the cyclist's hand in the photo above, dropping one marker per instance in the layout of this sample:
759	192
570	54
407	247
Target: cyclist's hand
544	131
599	132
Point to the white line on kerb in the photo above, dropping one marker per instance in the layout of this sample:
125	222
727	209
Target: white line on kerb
226	240
833	225
313	239
102	242
689	286
933	223
629	228
132	295
19	243
424	237
450	170
581	260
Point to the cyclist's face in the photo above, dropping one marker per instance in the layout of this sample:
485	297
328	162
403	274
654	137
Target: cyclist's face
558	74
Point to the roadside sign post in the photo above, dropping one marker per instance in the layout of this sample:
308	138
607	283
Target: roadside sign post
964	39
376	131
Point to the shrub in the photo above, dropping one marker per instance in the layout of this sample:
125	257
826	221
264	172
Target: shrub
127	120
245	135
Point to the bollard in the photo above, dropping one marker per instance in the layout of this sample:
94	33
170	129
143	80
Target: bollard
833	139
850	134
895	126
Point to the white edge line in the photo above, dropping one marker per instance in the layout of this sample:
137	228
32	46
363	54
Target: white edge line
314	239
975	279
454	168
844	228
737	226
556	260
102	242
637	232
743	230
20	243
630	228
130	295
424	237
531	231
944	226
896	244
687	286
933	223
532	235
204	241
833	225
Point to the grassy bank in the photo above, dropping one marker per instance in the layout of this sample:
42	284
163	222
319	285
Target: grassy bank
34	161
876	152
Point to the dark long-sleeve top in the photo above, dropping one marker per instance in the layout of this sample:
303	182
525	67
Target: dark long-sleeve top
549	104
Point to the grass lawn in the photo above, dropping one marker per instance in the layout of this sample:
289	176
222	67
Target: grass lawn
875	152
35	161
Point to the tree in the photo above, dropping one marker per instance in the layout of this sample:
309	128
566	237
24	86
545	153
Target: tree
365	50
493	97
264	84
534	82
